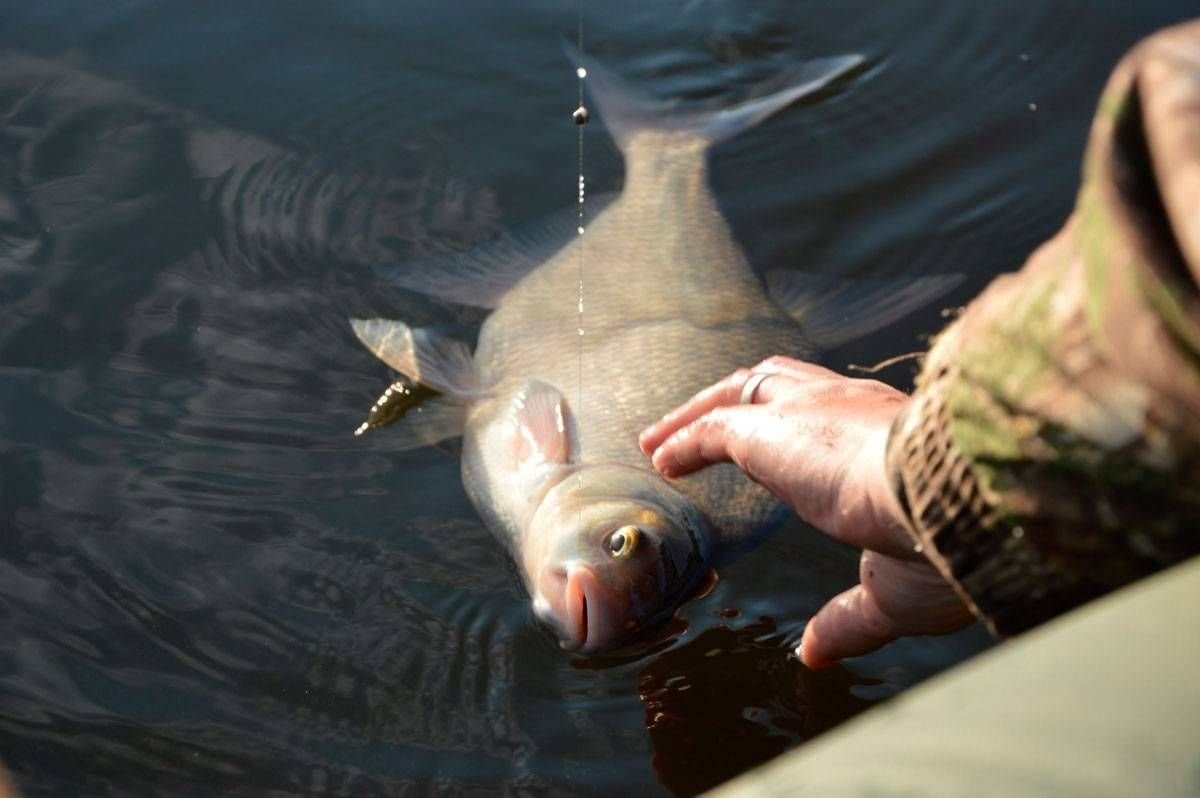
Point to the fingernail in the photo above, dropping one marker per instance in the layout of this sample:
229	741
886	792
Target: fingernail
812	661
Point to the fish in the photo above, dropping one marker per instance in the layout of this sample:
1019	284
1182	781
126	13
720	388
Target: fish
593	338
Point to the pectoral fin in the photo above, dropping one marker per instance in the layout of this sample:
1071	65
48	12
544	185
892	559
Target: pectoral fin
528	446
835	310
541	429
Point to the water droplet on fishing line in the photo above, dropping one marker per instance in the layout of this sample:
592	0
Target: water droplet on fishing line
581	72
580	229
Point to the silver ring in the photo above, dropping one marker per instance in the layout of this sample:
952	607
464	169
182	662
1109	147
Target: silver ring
751	387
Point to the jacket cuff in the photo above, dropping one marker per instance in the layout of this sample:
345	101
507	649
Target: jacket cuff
995	566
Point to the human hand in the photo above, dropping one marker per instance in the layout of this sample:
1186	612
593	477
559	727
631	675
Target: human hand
816	439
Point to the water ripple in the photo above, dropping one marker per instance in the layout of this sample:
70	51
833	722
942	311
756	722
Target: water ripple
208	585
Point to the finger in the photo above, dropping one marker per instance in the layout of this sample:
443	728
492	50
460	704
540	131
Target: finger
727	391
712	438
848	626
895	598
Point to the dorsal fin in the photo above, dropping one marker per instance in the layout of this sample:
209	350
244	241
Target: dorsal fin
835	310
626	110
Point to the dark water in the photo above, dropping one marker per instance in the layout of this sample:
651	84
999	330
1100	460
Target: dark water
208	586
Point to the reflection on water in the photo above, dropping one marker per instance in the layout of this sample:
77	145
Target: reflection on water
733	698
207	584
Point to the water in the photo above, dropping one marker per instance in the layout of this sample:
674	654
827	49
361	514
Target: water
208	586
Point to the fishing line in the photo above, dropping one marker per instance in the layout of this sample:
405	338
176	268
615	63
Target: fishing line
580	116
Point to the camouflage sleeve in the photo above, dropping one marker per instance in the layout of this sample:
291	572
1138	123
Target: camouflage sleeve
1051	451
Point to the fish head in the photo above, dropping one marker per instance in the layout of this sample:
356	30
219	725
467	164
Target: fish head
610	551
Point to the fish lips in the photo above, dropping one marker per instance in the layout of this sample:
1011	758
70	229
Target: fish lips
585	614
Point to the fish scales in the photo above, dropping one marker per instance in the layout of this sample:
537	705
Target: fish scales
670	305
551	400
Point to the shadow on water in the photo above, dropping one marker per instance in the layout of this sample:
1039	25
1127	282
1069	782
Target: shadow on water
208	586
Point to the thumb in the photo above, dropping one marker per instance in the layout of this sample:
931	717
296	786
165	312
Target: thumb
848	626
896	598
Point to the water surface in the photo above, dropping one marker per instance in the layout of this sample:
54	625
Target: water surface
208	586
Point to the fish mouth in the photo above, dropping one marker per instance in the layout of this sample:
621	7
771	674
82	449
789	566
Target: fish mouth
583	612
582	587
577	612
589	612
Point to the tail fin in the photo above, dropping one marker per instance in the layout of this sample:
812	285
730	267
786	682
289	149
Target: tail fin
626	110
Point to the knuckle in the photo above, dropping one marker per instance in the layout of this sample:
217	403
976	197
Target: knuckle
831	390
739	377
679	438
720	417
775	362
875	386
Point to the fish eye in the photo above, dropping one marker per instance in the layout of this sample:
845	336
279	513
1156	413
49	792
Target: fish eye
622	542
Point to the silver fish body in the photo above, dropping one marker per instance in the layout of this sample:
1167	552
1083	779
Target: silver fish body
669	305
